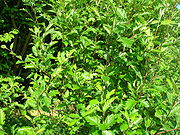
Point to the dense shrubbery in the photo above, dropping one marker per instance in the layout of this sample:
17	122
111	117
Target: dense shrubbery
90	67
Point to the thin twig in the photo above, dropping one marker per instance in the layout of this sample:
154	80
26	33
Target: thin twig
166	131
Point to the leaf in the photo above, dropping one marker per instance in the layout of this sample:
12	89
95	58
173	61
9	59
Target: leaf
2	132
3	46
130	103
108	104
74	115
99	87
127	42
159	114
31	102
121	13
136	122
105	78
15	31
75	87
169	82
25	131
109	94
175	111
93	120
66	95
167	22
86	76
93	102
155	22
2	117
124	126
95	11
107	28
28	66
74	121
85	41
108	132
53	93
144	103
34	50
138	73
110	120
147	123
40	130
11	46
89	111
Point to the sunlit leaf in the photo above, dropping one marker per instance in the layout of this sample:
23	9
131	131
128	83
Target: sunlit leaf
2	117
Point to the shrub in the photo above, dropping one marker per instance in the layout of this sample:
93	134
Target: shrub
100	67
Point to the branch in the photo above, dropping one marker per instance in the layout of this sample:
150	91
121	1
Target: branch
166	131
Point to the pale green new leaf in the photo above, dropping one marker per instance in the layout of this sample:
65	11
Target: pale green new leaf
108	132
89	112
2	117
110	120
108	103
109	94
93	120
130	103
107	28
166	22
127	42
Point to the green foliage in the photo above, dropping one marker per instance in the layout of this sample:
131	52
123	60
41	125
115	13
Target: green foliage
96	67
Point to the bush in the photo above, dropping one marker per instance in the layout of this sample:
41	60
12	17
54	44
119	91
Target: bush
97	67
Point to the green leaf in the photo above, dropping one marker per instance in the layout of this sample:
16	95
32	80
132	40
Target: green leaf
108	104
99	87
73	122
3	46
11	46
53	93
2	117
110	121
121	13
144	103
31	102
74	115
107	28
93	102
138	73
40	130
159	114
2	132
95	11
15	31
109	94
124	126
75	87
35	51
147	123
86	76
155	22
89	111
130	103
105	78
25	131
175	111
167	22
66	95
169	82
93	120
28	66
127	42
108	132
